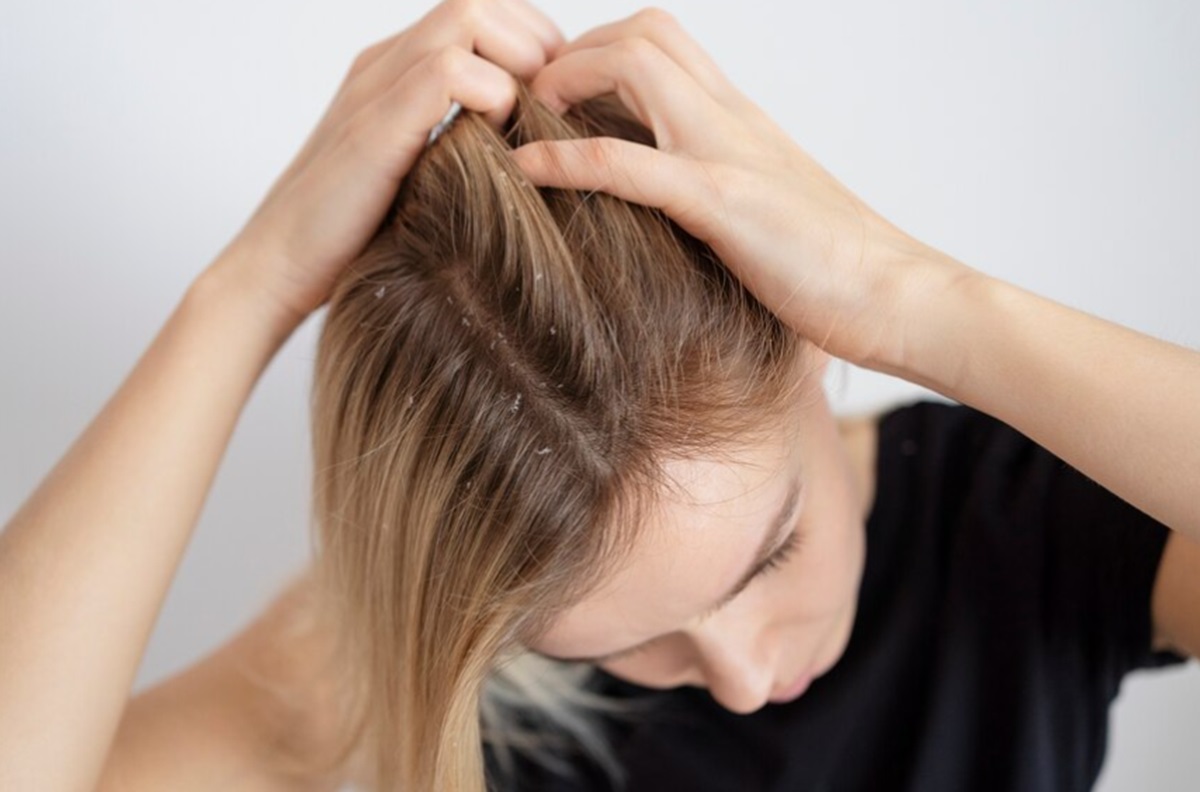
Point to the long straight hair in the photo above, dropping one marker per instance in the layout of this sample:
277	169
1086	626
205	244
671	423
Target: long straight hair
499	379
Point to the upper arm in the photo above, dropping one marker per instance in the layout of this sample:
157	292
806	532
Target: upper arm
1175	603
211	726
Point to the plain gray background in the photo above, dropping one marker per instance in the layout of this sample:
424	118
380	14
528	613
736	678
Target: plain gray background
1050	143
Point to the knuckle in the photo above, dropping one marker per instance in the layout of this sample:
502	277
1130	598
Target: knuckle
597	152
640	51
449	62
359	65
654	18
467	12
368	55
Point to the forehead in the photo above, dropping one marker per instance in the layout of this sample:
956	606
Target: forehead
698	539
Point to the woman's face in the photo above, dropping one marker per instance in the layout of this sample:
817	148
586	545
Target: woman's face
789	624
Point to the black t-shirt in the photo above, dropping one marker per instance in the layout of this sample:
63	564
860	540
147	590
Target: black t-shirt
1005	596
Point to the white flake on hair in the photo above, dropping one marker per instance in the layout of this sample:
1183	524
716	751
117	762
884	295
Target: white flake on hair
410	401
516	405
466	323
543	451
552	330
379	292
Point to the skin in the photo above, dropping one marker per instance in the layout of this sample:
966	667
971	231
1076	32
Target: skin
791	621
88	558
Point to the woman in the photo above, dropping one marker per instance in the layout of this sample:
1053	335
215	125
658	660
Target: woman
828	269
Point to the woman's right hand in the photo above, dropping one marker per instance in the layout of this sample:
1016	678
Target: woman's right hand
323	209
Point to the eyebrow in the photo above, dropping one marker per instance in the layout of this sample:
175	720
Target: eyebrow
771	543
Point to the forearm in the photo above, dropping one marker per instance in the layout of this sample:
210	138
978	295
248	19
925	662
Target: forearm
87	560
1116	404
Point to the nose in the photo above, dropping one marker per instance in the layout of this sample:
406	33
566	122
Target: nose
737	670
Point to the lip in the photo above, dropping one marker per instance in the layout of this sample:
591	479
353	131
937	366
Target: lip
795	691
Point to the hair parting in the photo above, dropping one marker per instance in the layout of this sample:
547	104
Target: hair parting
499	379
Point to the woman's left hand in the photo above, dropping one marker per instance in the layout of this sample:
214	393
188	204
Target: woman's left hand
808	248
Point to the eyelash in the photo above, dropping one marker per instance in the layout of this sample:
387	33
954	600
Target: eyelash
777	559
785	551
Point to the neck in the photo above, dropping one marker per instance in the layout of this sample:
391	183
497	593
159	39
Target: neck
860	438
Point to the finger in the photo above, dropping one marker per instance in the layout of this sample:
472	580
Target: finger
340	195
542	26
495	33
392	131
654	87
505	39
684	189
664	30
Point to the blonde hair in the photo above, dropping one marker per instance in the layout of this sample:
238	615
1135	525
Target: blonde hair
499	378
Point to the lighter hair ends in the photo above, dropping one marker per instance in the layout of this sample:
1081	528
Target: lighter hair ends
499	378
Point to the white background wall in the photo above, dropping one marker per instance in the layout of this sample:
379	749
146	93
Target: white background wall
1051	143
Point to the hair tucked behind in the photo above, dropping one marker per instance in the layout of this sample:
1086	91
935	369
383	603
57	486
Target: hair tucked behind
499	378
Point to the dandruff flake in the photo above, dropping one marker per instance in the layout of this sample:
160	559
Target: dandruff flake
516	405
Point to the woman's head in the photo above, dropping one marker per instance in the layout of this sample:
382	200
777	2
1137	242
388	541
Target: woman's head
508	383
744	581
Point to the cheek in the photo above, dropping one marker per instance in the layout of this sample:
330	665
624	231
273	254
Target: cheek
664	666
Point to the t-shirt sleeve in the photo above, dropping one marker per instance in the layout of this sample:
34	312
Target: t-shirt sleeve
1099	556
1115	550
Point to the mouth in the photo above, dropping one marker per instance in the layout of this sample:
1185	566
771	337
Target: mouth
800	685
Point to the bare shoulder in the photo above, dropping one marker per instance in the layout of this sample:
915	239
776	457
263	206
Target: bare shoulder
213	726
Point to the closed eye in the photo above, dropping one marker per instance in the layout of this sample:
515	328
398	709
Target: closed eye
785	551
776	560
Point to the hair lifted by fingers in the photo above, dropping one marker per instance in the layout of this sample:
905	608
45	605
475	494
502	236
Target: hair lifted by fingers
499	378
